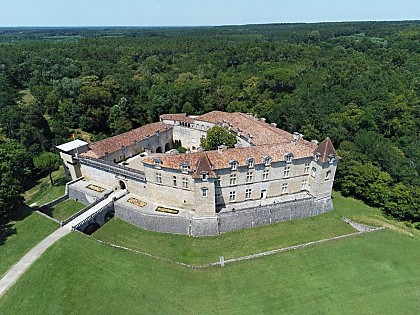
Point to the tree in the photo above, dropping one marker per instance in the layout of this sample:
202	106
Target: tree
47	162
216	136
10	191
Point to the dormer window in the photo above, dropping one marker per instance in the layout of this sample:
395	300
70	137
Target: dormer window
288	157
331	158
204	176
233	165
316	156
158	163
267	160
251	162
185	167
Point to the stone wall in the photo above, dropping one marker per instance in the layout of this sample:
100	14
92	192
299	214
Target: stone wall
273	213
224	222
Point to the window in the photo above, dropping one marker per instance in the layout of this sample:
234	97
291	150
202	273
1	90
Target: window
204	192
204	176
284	188
304	184
263	194
233	179
174	181
289	156
266	173
185	182
233	165
158	163
218	198
218	181
158	178
286	171
313	171
306	169
328	175
185	168
267	160
249	177
232	196
251	162
248	194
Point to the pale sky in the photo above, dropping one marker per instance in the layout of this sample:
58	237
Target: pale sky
199	12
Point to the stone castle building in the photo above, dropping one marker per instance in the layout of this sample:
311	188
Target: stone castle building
270	175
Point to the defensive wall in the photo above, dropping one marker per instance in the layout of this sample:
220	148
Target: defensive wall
223	222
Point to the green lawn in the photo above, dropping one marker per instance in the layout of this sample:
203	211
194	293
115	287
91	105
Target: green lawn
64	210
372	274
24	233
43	192
202	250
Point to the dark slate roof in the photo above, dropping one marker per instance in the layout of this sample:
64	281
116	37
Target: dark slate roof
326	149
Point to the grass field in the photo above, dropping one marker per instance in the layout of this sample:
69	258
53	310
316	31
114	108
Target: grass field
372	274
64	210
42	192
20	235
202	250
375	273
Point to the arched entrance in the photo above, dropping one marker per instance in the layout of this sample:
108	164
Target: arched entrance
122	185
167	147
91	228
159	150
109	215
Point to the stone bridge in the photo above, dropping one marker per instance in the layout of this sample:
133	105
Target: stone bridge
98	215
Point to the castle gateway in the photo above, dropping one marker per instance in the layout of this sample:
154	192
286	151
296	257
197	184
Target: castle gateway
270	175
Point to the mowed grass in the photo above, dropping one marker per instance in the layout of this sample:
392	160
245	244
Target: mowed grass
18	236
376	273
42	192
64	210
203	250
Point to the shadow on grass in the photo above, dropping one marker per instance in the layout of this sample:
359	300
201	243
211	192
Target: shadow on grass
7	227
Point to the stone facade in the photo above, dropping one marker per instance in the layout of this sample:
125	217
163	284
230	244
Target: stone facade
270	176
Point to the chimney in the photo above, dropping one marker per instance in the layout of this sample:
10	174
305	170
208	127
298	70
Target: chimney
250	136
295	138
239	132
315	141
263	119
221	148
274	124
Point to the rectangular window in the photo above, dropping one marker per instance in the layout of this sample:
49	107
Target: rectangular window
284	188
313	171
248	194
328	175
174	181
304	184
185	168
218	181
158	178
286	171
234	166
249	177
266	173
218	198
185	182
204	192
232	196
306	169
233	179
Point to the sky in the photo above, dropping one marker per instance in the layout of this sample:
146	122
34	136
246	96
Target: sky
199	12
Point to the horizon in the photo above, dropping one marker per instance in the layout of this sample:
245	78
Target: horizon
184	13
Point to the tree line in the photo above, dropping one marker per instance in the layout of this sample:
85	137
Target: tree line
354	82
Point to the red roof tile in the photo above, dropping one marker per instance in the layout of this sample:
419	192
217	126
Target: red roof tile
326	149
112	144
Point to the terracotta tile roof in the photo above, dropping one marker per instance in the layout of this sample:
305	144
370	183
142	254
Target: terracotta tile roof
263	133
109	145
220	160
203	165
177	117
325	149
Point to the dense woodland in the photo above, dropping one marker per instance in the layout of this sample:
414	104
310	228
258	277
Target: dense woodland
357	83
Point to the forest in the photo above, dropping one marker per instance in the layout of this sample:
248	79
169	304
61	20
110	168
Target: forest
357	83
